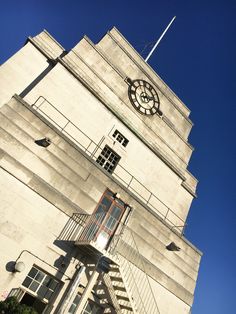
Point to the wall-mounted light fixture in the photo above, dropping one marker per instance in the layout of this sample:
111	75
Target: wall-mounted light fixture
116	196
172	247
44	142
19	267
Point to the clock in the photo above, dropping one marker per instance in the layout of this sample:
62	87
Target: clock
143	97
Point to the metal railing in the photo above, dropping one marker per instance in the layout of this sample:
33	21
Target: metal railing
132	268
93	150
82	227
17	293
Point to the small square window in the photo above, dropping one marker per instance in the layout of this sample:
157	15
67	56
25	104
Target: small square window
39	282
108	159
120	138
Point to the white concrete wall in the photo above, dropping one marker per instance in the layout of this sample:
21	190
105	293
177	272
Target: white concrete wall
82	108
167	302
19	71
26	218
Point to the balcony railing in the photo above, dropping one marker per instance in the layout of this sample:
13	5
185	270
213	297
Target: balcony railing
82	227
93	150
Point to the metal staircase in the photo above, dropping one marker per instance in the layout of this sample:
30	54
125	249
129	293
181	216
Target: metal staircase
127	281
132	269
120	290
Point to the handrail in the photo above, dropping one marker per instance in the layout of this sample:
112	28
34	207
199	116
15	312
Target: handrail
92	149
82	227
125	248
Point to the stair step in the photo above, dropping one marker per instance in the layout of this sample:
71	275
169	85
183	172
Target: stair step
114	269
119	288
127	308
118	279
120	297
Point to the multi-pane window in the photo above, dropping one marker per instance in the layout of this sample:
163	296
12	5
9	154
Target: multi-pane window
108	159
103	223
111	210
120	138
40	283
90	307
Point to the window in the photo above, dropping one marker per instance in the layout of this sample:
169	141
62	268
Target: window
102	225
90	307
40	283
111	210
120	138
108	159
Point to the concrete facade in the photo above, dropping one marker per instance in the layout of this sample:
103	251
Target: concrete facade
51	214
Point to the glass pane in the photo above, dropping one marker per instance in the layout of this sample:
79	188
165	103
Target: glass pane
72	309
34	286
48	295
33	272
110	223
40	276
115	212
88	308
106	202
125	143
102	239
27	282
42	291
107	167
46	281
104	205
97	309
109	193
77	299
53	284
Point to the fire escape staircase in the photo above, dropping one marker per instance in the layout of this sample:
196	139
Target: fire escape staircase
126	281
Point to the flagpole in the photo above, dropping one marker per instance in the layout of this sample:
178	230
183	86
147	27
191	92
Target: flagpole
150	53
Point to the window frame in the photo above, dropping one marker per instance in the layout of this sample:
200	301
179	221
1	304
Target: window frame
117	134
108	194
41	284
106	163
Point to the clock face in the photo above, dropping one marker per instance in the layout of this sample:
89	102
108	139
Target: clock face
143	97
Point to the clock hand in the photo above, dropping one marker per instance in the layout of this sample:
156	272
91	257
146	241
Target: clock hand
145	91
145	97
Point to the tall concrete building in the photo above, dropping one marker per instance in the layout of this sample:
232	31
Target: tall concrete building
95	189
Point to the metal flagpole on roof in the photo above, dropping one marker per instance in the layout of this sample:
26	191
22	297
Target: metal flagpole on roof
150	53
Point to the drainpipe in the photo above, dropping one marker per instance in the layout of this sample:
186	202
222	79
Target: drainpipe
73	287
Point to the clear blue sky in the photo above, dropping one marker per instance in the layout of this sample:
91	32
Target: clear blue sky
197	60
